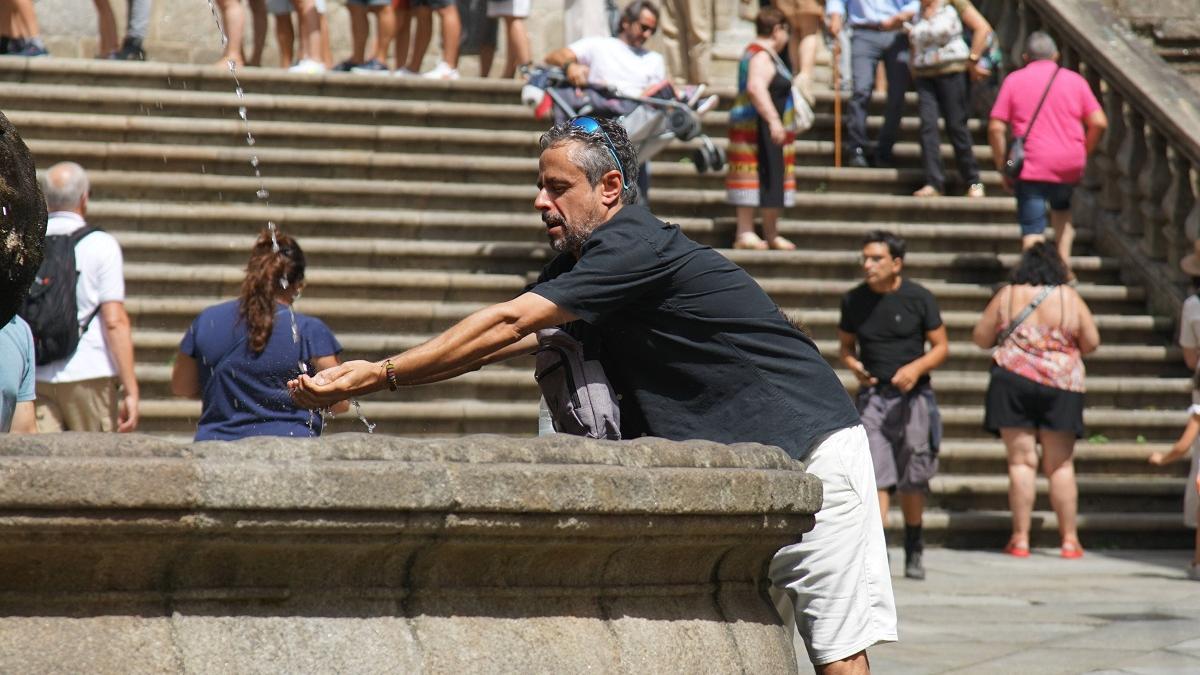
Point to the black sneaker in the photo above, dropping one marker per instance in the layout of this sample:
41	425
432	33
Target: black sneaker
913	565
131	50
5	41
858	159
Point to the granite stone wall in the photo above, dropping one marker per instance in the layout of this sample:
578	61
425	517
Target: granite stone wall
354	553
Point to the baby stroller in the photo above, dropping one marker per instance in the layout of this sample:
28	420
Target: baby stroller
652	121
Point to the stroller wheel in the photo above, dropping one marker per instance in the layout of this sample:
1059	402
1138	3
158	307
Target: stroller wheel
708	157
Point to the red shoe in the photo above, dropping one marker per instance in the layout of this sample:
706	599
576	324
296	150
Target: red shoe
1017	551
1072	551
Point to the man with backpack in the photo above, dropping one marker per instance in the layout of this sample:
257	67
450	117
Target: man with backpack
701	352
76	310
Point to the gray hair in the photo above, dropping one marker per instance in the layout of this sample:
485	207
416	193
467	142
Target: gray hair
65	185
1039	46
591	153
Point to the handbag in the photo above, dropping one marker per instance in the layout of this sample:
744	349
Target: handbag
1014	160
578	394
803	116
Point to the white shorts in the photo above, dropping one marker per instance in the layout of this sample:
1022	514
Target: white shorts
834	586
286	7
502	8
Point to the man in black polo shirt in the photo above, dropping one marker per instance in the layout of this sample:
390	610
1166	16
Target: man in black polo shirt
704	354
885	323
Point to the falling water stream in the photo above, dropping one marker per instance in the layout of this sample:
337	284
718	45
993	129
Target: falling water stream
264	196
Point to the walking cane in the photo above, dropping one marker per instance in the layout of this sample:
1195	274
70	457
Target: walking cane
837	104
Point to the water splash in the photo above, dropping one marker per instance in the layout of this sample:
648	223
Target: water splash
263	194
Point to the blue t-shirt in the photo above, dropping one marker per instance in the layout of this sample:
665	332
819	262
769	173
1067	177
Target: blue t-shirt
243	393
16	369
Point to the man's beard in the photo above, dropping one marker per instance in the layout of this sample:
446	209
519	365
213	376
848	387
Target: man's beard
573	236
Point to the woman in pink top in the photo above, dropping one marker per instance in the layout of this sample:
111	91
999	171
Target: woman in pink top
1035	394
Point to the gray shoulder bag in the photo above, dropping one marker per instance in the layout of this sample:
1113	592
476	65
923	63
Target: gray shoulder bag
578	394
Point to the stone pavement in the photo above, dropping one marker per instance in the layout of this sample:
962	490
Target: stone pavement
1118	611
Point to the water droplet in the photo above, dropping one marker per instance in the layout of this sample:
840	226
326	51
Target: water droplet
242	113
239	92
262	193
283	283
232	63
362	418
249	139
254	161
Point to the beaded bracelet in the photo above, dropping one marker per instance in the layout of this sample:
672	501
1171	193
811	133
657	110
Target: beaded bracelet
391	374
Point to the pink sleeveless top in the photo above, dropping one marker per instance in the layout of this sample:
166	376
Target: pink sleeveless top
1045	354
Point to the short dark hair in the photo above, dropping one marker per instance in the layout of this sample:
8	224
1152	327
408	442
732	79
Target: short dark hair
595	159
895	243
1040	265
633	11
766	21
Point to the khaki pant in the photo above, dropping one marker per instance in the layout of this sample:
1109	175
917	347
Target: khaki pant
687	35
86	405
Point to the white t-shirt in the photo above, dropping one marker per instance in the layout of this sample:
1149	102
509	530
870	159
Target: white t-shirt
613	63
101	279
1189	323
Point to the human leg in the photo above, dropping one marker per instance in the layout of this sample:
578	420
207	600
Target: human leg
258	14
745	238
137	22
864	54
931	142
1057	448
107	24
451	33
233	22
875	411
285	38
1031	212
310	31
895	61
385	30
359	29
952	98
1064	231
403	32
424	21
837	575
1021	446
517	45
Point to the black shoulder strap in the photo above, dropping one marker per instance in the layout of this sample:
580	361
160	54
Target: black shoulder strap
1038	109
76	237
1024	314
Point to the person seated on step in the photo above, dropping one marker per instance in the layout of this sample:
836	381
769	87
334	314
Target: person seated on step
885	323
20	34
238	356
385	27
136	23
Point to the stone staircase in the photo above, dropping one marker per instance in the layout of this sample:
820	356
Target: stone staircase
413	201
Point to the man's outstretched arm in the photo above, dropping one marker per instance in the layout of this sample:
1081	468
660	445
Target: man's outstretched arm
455	351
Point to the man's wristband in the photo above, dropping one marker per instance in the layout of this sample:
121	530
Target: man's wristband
390	371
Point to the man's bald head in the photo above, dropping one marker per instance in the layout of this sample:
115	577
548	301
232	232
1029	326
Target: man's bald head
22	221
66	188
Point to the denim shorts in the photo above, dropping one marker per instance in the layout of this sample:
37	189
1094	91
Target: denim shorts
434	4
1032	198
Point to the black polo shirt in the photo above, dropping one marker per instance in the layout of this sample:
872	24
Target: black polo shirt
699	345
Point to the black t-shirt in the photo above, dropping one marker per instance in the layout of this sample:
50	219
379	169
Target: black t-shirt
890	327
692	337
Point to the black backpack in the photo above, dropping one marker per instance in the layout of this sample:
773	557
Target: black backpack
51	308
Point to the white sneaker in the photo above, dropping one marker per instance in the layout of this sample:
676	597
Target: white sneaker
404	72
308	66
1194	572
442	71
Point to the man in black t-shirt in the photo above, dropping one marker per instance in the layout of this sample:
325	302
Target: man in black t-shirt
885	323
703	352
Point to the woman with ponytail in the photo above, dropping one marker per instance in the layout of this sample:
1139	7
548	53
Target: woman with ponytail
238	356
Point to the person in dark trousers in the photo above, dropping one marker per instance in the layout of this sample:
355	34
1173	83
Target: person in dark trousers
885	323
703	353
877	36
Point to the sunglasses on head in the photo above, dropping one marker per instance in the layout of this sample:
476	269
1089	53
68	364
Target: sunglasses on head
590	125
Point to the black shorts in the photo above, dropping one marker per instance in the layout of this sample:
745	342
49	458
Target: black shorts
1015	401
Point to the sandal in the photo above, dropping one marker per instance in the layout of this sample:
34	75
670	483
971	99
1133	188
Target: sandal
1017	551
782	244
976	191
750	241
1071	551
928	191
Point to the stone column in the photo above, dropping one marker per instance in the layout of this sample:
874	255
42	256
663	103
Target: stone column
357	553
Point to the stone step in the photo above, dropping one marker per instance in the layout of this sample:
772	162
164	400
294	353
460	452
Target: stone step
990	529
327	279
240	220
1152	363
1097	494
954	388
368	167
1093	458
528	258
490	197
177	312
425	418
